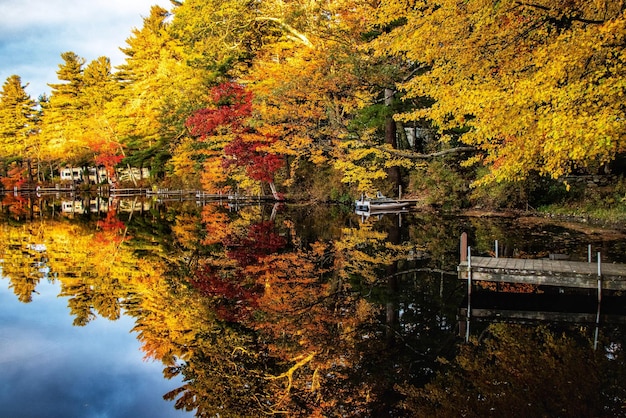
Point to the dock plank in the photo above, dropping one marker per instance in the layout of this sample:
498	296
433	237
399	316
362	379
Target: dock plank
499	263
484	262
546	272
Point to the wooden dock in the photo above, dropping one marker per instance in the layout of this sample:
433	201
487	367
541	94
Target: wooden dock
161	194
561	273
544	272
554	307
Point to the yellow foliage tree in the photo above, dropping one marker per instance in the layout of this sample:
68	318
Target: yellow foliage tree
538	85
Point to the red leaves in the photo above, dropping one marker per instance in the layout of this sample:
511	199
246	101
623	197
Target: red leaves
16	177
109	161
260	165
111	229
232	95
261	241
107	154
233	288
235	302
111	222
233	107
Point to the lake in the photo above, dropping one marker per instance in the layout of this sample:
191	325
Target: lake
144	308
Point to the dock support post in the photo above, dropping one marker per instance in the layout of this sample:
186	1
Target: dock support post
595	340
497	248
599	282
589	253
463	247
469	293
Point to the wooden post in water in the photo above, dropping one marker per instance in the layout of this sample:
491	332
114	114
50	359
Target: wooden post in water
469	276
595	340
463	247
469	292
599	282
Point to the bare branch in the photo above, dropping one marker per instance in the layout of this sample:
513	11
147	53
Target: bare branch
294	34
415	156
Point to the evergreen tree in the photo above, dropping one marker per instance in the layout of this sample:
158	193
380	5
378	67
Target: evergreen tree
62	121
102	117
18	122
156	85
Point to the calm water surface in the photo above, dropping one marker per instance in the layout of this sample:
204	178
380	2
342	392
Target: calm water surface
51	368
132	308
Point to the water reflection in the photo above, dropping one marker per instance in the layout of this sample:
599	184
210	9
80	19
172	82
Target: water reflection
53	369
311	310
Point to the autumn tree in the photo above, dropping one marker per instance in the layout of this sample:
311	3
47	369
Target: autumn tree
78	122
534	86
219	37
101	131
18	124
62	127
21	252
158	91
299	300
230	141
314	81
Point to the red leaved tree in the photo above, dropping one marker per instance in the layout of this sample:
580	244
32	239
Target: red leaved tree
107	154
248	148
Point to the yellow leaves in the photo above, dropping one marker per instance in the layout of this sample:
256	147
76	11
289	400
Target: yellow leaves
359	175
213	175
360	164
352	237
216	224
390	10
97	280
359	150
319	248
310	93
365	311
361	250
318	157
517	77
554	91
186	231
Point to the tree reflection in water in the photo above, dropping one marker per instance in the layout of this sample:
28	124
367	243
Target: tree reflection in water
518	371
308	311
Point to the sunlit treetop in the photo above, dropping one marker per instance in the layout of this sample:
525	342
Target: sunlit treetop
539	84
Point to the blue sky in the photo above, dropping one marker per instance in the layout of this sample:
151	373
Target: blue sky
34	33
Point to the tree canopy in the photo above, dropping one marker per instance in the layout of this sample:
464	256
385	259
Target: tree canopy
364	92
535	85
18	121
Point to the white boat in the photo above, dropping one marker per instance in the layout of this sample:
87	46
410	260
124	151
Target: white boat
379	203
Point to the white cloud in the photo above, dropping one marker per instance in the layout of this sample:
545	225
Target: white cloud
27	14
34	33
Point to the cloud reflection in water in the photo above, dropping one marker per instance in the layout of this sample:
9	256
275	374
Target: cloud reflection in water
51	368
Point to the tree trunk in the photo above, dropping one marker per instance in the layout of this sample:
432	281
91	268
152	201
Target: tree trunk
393	289
274	191
131	174
29	169
393	173
403	140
